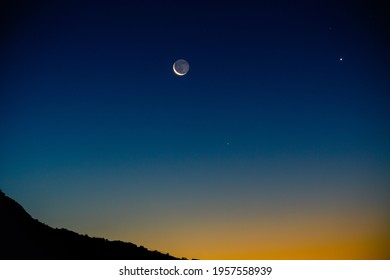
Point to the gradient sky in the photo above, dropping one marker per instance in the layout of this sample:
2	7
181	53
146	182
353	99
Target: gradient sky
275	145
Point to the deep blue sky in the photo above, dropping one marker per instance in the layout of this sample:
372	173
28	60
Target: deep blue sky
286	103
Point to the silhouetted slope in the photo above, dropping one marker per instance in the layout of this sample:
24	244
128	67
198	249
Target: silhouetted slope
22	237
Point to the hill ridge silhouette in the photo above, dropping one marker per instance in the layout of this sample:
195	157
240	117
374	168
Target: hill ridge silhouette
23	237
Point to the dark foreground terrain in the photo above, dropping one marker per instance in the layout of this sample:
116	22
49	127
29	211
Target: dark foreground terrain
22	237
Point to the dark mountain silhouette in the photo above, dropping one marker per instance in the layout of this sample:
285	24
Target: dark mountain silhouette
22	237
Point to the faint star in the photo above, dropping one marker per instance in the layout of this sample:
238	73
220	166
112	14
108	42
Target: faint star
341	59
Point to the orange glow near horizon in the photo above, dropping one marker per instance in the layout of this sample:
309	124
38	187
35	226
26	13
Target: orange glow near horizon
310	235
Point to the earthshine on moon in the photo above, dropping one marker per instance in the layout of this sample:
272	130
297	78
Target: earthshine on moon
181	67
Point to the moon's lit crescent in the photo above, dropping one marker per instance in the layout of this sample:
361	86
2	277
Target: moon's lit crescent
181	67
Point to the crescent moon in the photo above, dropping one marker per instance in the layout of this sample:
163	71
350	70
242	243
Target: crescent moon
180	67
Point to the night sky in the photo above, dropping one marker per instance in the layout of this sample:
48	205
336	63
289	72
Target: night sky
275	144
